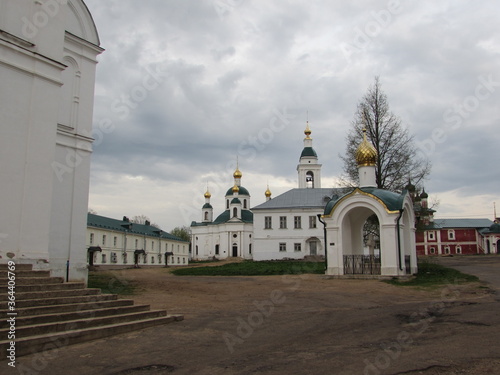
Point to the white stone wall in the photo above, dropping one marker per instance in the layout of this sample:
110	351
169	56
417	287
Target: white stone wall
267	241
47	94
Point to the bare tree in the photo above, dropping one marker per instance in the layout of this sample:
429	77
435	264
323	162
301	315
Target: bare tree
397	157
143	219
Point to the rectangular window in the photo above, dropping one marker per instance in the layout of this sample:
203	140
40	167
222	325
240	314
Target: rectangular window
136	244
297	222
297	247
282	246
268	222
103	239
216	249
312	222
152	245
282	222
431	235
91	238
115	240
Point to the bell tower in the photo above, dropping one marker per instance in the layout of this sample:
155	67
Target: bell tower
308	168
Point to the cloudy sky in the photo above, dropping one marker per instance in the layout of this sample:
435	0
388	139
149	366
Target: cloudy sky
185	87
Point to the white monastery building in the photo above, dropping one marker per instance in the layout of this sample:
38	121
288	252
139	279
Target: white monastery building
48	53
121	242
293	225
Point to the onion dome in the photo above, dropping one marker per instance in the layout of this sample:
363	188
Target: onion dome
424	195
366	155
410	187
237	173
307	132
207	194
268	192
236	189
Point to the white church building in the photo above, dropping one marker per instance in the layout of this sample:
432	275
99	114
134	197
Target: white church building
293	225
48	53
285	227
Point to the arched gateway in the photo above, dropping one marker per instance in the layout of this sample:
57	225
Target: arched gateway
351	246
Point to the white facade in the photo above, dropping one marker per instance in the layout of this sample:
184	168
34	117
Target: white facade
231	233
119	239
47	68
287	233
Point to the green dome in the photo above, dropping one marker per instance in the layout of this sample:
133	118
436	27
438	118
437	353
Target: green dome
242	191
207	205
235	201
308	152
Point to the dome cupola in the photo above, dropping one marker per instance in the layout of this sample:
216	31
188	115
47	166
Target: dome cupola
366	155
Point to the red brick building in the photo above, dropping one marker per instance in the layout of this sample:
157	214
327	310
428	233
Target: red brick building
453	236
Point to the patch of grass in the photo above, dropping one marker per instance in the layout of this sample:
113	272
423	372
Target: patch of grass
432	274
110	284
203	261
252	268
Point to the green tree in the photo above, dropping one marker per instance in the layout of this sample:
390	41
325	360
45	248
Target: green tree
181	232
397	157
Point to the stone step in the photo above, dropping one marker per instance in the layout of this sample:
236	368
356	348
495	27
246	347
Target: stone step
60	300
44	287
18	267
24	273
63	317
31	280
33	344
38	310
81	323
52	294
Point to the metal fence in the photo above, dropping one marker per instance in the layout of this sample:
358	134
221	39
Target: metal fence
361	265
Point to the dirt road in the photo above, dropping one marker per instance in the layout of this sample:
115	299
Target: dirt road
295	325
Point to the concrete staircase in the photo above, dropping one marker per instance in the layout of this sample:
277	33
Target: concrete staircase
51	314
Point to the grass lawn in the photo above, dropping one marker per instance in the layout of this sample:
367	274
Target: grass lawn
431	274
109	283
252	268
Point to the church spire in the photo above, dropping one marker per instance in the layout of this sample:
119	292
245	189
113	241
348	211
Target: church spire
309	170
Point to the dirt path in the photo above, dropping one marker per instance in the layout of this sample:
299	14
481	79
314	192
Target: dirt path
296	325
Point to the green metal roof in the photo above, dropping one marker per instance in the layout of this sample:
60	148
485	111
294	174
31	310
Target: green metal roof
308	152
235	201
464	223
392	201
242	191
207	205
97	221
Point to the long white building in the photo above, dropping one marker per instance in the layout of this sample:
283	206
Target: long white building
121	242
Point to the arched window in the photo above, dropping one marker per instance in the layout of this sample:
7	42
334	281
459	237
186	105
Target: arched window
244	203
235	212
206	215
227	204
310	179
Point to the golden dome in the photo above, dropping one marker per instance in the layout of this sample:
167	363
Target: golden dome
207	194
237	173
236	188
307	132
366	155
268	192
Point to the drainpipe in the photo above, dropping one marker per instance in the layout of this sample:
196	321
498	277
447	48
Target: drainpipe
326	243
399	238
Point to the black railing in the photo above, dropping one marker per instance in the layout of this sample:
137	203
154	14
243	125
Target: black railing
361	265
